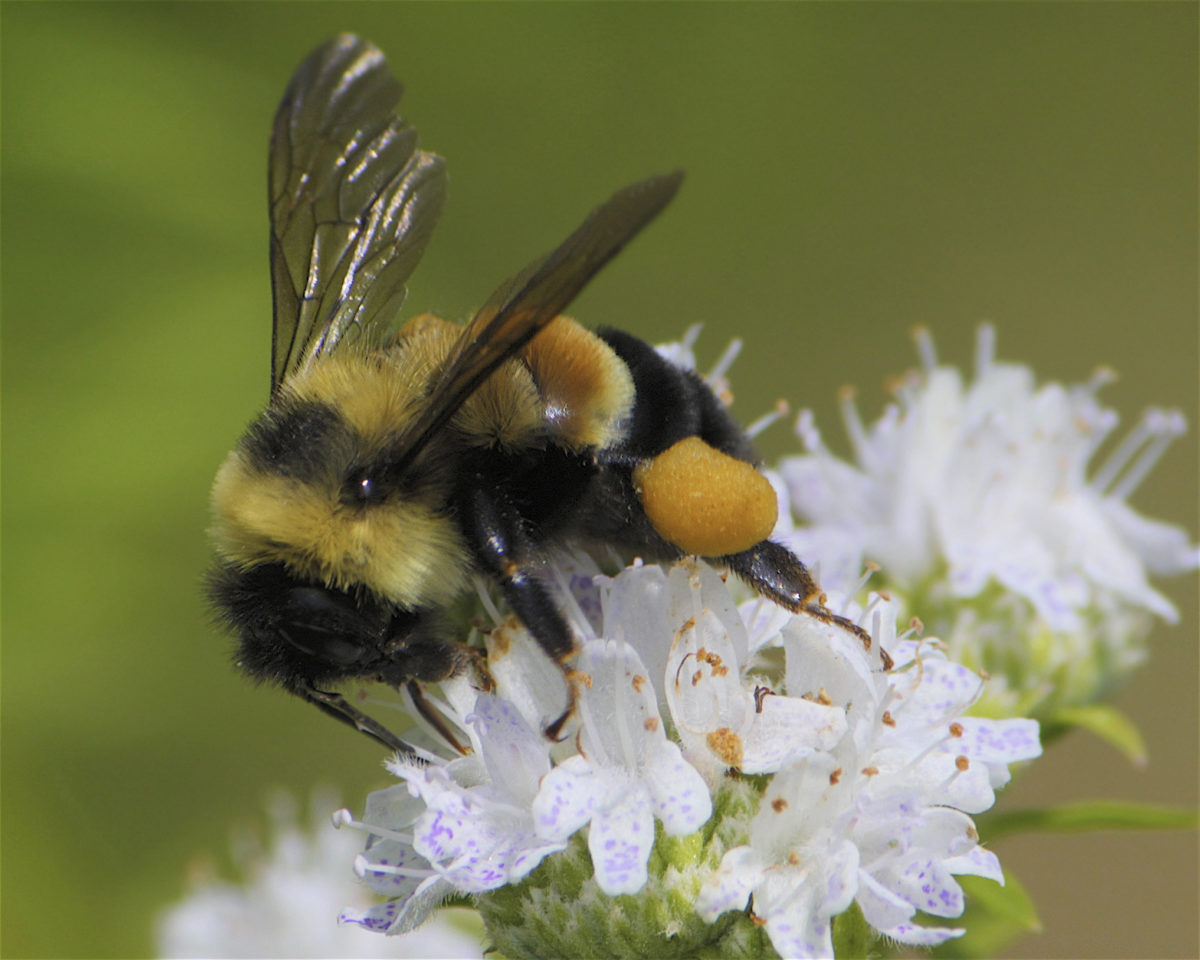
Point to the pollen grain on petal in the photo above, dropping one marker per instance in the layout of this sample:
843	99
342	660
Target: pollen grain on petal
727	745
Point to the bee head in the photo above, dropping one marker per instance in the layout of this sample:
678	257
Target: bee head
294	633
309	489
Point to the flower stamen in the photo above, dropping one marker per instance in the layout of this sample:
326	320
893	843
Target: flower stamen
767	419
926	350
344	818
363	866
724	361
985	350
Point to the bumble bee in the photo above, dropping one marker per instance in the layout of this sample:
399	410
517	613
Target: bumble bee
390	466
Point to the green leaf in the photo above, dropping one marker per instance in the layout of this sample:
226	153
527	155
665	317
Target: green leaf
1110	725
851	935
995	916
1082	817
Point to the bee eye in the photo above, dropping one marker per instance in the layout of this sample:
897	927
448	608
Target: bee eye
364	488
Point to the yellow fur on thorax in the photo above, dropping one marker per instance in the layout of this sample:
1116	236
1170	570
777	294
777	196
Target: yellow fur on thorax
504	411
378	393
566	387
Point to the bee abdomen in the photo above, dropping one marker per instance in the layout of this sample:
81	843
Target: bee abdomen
671	403
586	390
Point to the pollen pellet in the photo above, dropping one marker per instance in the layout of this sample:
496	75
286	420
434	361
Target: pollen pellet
705	501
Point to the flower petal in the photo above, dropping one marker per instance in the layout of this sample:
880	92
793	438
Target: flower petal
918	936
528	678
568	796
978	862
515	756
934	689
928	886
618	707
680	796
416	909
881	908
730	887
619	841
997	741
787	903
396	855
788	728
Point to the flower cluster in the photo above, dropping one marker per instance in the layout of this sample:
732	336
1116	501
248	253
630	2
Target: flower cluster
732	778
833	779
285	902
976	501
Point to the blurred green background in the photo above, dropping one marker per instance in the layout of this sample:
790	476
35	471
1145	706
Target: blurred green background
853	170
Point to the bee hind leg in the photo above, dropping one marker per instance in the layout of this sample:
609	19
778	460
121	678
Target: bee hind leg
778	574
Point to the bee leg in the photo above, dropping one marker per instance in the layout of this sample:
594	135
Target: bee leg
777	574
339	708
498	537
433	718
536	608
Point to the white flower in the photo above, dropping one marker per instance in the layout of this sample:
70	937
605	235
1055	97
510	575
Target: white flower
461	826
476	829
991	480
625	775
881	817
864	777
871	774
391	866
963	759
286	905
724	716
975	501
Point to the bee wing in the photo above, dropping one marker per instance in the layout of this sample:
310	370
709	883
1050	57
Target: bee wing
353	203
524	304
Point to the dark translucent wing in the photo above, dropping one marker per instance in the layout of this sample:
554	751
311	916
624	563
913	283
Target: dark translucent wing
353	204
535	296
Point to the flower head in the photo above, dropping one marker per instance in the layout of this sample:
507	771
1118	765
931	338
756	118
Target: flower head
286	903
881	818
462	826
718	755
977	502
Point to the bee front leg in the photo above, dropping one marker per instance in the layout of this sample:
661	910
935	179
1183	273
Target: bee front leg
338	707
